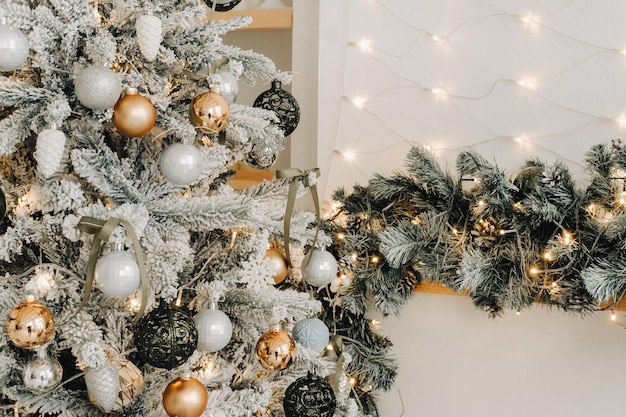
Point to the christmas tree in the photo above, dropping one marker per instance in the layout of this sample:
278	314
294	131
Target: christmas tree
136	280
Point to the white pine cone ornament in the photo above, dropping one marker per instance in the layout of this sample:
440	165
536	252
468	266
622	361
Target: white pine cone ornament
49	151
149	35
103	386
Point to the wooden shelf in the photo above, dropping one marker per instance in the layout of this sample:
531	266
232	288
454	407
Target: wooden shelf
262	19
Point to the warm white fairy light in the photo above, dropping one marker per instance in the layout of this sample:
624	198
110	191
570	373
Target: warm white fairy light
374	259
528	84
358	102
613	316
133	303
567	238
518	313
548	256
354	256
439	91
533	270
622	121
341	236
349	155
364	44
481	203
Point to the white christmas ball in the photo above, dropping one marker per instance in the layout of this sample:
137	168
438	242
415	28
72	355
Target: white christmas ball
229	86
181	164
311	333
13	48
97	87
321	268
117	274
42	373
214	329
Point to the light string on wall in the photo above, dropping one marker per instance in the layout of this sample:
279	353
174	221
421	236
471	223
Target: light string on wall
528	86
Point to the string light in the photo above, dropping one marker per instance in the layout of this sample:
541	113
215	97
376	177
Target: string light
548	256
133	303
341	236
374	259
348	155
533	270
358	102
364	44
613	316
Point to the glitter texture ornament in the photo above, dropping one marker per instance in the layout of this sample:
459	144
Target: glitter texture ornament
275	350
185	397
320	269
279	264
13	48
149	31
229	86
261	157
103	386
223	5
49	151
97	87
166	337
311	333
134	115
214	329
181	164
117	274
309	396
283	104
42	373
131	383
210	112
30	324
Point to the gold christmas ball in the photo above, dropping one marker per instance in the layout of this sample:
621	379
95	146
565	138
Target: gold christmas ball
210	112
275	350
30	324
131	382
185	397
134	115
279	263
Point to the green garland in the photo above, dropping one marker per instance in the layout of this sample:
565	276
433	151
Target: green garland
506	242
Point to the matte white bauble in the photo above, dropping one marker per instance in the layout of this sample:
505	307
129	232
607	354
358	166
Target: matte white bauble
117	274
229	86
97	87
320	269
13	48
214	329
181	164
311	333
42	373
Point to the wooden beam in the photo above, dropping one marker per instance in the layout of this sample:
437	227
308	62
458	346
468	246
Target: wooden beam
262	19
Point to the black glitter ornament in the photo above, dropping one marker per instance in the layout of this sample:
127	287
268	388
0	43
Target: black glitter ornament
166	337
3	204
222	5
283	104
309	396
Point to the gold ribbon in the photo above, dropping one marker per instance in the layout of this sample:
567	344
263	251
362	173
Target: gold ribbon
298	175
102	229
200	76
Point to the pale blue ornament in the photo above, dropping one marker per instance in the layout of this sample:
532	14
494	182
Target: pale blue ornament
214	329
311	333
181	164
13	48
117	274
320	269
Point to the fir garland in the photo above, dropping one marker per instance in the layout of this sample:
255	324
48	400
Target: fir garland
506	242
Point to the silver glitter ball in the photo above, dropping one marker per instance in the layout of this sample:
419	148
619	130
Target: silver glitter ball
42	373
229	86
97	87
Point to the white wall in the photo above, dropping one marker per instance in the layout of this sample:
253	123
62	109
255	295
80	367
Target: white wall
454	360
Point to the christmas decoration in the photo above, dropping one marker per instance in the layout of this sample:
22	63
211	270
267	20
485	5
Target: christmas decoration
131	383
275	350
149	35
320	269
279	263
229	86
181	164
309	396
13	47
223	5
134	115
210	112
311	333
103	386
261	157
42	373
166	337
117	274
30	324
185	397
49	151
97	87
214	329
3	204
283	104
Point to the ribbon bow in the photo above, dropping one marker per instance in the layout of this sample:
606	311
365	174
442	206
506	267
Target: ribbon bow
299	175
102	229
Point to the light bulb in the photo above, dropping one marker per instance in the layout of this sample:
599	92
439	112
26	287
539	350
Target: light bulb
533	270
358	102
364	44
548	256
349	155
438	91
341	236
